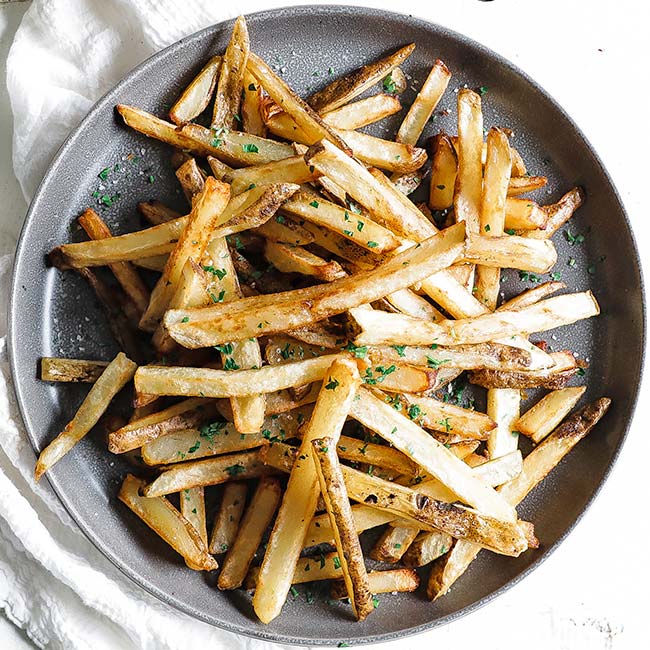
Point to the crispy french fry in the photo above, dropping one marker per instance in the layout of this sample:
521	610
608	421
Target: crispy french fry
355	115
288	170
535	467
231	77
286	231
492	212
393	543
540	420
207	213
503	407
531	296
113	379
302	113
426	547
383	582
212	471
191	179
467	195
156	212
443	173
379	328
164	519
71	370
256	520
251	112
226	522
351	85
332	486
299	500
434	457
398	377
524	214
261	315
424	104
196	97
524	184
511	251
558	214
193	510
295	259
382	200
356	228
409	302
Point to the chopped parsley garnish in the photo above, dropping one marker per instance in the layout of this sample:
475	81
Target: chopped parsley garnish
219	298
211	430
251	87
226	348
286	351
372	244
250	148
487	228
349	233
530	277
370	379
220	273
580	372
104	173
359	352
280	219
556	275
414	411
399	349
482	90
434	363
509	231
235	470
151	178
294	592
332	384
337	562
230	364
375	600
314	204
573	239
194	447
185	319
389	84
360	225
445	423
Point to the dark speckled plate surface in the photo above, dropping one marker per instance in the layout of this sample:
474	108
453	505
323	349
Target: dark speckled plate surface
54	313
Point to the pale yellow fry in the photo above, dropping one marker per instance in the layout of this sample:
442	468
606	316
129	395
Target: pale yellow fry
443	173
191	179
363	112
393	543
512	252
558	214
503	407
110	383
382	328
531	296
196	97
251	111
193	509
383	582
427	452
300	498
71	370
207	213
263	315
524	214
424	104
226	521
467	197
426	547
256	520
164	519
546	415
295	259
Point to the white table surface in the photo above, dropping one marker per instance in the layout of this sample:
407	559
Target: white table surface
592	593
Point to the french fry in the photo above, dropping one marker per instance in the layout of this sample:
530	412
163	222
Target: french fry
467	195
409	182
379	328
113	379
299	500
332	486
383	582
124	272
231	77
444	167
196	97
183	415
376	455
427	452
507	538
441	416
503	407
356	228
233	147
207	382
71	370
156	212
524	184
398	377
363	112
251	112
426	547
493	211
256	520
383	201
531	296
207	213
292	170
524	214
263	315
286	231
558	214
540	420
164	519
393	543
191	179
424	104
511	251
409	302
212	471
226	522
295	259
302	113
535	467
351	85
193	510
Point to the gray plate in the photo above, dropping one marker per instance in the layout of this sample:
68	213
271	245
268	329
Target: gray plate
54	313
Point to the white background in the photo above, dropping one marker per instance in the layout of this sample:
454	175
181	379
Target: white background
592	57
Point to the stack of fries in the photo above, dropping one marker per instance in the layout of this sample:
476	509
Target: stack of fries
304	318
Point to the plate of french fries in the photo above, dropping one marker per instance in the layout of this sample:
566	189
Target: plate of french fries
308	316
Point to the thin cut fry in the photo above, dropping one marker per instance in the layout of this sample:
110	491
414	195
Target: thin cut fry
427	547
71	370
355	115
196	97
558	214
226	522
193	509
503	408
383	582
524	184
191	179
295	259
251	111
113	379
524	214
443	173
511	251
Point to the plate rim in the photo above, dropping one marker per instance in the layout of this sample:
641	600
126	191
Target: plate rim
100	104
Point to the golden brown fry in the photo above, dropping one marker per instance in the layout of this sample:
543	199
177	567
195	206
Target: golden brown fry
332	486
347	87
71	370
193	510
524	214
256	520
259	315
424	104
443	173
196	97
383	582
355	115
558	214
164	519
295	259
524	184
226	521
286	231
113	379
289	170
427	547
251	112
393	543
299	501
191	179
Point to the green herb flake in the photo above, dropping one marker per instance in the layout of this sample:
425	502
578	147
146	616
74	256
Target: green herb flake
556	275
571	262
487	228
482	90
185	319
104	173
349	233
235	470
194	447
434	363
230	364
314	204
509	231
226	348
280	219
372	244
151	178
399	349
337	562
375	600
251	87
294	592
591	270
220	273
360	352
445	423
250	148
389	84
580	372
332	384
